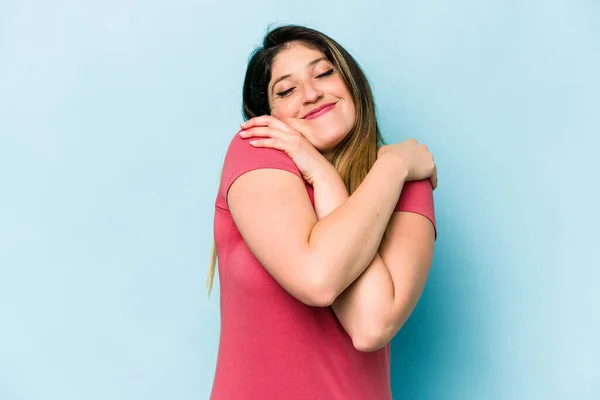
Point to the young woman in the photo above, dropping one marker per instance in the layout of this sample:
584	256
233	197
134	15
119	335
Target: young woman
324	235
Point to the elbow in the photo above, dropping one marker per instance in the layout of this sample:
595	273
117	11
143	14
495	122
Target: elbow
319	290
367	342
316	298
317	301
379	333
374	335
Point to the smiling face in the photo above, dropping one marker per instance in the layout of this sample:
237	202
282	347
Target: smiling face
305	85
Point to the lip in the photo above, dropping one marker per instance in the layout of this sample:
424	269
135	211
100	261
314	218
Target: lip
317	112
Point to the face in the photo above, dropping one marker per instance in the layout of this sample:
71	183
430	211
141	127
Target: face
302	82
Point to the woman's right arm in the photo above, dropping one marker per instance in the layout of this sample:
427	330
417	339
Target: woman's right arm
314	260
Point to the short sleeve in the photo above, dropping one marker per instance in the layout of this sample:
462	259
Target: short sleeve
242	157
417	197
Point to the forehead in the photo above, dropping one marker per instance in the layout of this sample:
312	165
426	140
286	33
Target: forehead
295	56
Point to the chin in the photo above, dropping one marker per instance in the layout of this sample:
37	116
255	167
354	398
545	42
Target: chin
329	145
328	136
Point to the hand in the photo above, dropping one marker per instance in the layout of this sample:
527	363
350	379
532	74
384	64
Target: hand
415	157
286	136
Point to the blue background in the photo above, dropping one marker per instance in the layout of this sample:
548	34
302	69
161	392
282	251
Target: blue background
114	120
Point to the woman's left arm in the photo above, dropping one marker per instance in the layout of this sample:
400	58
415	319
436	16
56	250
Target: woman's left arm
376	305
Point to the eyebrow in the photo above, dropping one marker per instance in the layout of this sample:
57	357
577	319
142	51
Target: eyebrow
310	64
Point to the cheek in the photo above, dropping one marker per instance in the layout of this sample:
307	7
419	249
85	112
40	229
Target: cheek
283	110
352	112
345	94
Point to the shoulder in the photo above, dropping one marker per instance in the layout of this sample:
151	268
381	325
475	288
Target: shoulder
242	157
241	152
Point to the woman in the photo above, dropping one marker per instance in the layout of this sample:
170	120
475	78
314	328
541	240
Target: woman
324	240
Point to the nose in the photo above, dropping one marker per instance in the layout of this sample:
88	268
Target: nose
311	93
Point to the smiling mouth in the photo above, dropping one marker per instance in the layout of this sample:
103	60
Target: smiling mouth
320	111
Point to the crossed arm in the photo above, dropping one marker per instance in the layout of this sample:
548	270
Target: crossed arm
376	305
372	277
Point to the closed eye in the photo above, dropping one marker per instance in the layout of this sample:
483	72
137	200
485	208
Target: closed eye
285	92
325	74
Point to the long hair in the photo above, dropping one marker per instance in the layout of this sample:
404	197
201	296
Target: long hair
356	154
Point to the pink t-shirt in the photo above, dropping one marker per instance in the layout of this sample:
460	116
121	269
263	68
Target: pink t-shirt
273	346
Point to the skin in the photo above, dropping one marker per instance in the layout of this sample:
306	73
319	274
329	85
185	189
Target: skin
374	307
312	81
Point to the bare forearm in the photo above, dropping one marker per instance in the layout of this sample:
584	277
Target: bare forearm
365	306
348	235
379	302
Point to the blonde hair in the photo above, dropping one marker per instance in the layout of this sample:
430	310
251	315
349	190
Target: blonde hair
356	154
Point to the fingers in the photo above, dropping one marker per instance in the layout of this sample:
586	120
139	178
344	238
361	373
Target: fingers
288	125
265	120
269	137
434	178
296	124
282	136
274	143
262	131
270	143
433	181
